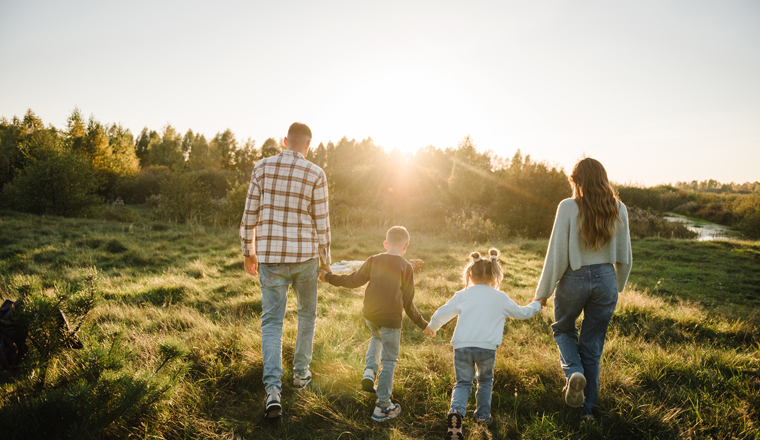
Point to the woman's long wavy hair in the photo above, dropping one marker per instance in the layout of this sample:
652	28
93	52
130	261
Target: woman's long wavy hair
597	203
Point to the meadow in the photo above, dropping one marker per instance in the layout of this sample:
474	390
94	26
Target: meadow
682	357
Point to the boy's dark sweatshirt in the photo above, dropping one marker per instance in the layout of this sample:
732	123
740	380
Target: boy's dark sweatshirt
390	289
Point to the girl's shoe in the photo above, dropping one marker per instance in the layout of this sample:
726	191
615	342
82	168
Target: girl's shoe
382	414
454	422
574	390
368	381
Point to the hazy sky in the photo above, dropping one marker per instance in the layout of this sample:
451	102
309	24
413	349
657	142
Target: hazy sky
658	91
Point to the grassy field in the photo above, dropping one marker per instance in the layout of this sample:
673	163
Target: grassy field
682	358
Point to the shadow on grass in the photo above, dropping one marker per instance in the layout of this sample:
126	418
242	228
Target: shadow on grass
651	327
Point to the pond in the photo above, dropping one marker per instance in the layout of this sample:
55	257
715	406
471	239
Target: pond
706	230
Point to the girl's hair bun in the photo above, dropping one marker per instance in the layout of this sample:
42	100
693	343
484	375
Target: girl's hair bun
475	255
493	252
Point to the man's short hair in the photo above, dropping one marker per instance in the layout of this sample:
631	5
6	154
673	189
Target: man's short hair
397	235
298	134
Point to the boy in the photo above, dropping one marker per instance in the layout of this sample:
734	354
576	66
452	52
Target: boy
390	289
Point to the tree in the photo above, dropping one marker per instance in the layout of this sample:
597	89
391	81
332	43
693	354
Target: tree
270	148
224	144
168	151
200	154
470	174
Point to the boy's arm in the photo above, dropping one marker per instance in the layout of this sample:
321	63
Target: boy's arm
357	278
407	291
444	314
514	311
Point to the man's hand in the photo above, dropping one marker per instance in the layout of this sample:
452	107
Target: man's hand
429	332
542	301
321	275
325	268
251	265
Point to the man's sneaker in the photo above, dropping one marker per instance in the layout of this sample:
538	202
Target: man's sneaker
487	422
574	390
454	422
300	382
273	407
381	414
368	381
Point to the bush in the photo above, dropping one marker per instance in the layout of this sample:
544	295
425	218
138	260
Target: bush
650	224
62	183
747	209
184	197
472	226
65	389
137	189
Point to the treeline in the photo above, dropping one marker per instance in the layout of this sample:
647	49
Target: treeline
713	186
88	167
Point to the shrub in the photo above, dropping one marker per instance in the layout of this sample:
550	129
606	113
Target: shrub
137	189
184	197
62	183
650	224
66	389
747	209
471	226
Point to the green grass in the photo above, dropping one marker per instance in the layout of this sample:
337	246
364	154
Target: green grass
682	357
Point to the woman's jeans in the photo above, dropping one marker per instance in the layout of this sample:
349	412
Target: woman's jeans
383	347
593	291
466	359
275	279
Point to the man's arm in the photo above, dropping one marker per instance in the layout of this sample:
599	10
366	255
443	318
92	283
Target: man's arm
248	227
321	215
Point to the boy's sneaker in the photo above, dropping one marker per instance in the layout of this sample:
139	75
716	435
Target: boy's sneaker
454	422
368	381
273	408
574	390
300	382
381	414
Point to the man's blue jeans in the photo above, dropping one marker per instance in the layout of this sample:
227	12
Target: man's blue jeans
466	359
275	279
383	347
593	291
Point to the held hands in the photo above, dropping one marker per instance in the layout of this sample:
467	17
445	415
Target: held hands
542	301
321	275
429	332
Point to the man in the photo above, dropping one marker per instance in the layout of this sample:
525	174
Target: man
285	232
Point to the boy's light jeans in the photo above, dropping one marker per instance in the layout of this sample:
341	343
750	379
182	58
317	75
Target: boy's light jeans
275	279
593	291
465	361
383	345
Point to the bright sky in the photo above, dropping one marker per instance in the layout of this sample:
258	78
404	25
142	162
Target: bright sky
658	91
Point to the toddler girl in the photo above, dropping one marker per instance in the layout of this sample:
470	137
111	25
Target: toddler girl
482	310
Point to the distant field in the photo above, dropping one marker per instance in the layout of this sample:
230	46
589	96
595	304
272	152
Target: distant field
682	358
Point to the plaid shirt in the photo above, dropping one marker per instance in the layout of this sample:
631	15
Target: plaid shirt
286	211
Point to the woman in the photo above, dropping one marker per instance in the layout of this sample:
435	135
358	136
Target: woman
590	255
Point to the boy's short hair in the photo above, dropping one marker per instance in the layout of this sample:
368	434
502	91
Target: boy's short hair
397	235
298	134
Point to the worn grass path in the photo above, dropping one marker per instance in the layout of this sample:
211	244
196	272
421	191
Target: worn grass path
682	358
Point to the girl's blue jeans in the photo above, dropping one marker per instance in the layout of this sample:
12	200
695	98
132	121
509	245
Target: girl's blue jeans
471	363
591	290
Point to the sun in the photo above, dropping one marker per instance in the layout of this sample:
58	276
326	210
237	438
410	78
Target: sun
404	106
